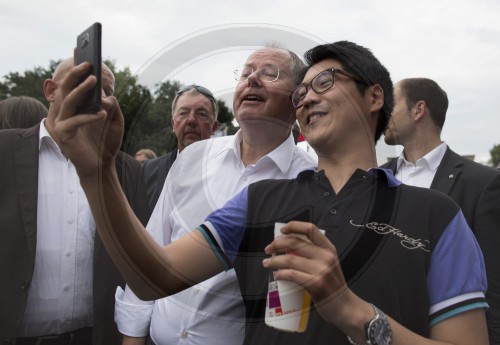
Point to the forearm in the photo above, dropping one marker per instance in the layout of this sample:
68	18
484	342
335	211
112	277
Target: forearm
463	329
137	256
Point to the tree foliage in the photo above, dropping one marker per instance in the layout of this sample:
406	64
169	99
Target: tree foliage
495	156
147	115
29	83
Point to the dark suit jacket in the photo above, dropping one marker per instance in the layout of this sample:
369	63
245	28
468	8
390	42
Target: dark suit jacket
476	188
155	173
18	228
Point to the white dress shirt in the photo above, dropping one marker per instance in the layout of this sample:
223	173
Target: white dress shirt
422	172
60	296
202	179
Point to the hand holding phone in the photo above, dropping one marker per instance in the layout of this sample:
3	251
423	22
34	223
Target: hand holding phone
88	49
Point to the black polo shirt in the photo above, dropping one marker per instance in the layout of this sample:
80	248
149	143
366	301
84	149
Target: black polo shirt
407	250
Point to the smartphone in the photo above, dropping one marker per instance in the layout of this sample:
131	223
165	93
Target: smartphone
88	48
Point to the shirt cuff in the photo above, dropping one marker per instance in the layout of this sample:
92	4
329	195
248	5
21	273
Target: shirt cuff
132	315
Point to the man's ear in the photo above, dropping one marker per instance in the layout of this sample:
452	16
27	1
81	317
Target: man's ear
49	89
215	126
419	110
172	124
377	98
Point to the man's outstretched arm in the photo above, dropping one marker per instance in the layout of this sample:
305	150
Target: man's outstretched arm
91	142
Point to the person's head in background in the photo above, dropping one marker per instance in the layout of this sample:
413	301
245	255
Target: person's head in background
21	112
144	154
51	88
419	114
194	115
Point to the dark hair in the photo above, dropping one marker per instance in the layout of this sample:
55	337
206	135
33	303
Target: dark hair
21	112
360	62
423	89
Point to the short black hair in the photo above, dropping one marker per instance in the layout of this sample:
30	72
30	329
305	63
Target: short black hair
360	62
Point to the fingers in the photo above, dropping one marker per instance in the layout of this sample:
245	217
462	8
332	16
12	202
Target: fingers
111	106
301	256
311	259
321	276
74	91
309	232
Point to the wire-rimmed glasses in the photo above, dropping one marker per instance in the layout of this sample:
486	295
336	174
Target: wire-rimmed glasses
267	73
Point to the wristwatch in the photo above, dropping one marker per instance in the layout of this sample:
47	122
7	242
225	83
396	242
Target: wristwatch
378	330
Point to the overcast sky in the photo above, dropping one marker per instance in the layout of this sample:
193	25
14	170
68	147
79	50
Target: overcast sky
456	43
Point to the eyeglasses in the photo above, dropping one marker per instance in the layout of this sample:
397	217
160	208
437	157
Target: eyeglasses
203	90
267	73
320	83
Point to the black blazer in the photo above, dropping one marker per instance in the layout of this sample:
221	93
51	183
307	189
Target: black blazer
155	173
476	188
18	227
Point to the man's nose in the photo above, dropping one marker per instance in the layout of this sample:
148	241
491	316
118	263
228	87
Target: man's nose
254	78
191	117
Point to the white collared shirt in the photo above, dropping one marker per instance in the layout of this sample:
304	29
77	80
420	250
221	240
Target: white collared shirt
60	295
422	172
202	179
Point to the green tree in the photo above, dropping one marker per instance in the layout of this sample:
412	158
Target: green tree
225	118
29	83
134	100
153	128
495	156
147	116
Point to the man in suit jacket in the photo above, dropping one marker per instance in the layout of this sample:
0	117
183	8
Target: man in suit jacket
194	118
24	238
426	161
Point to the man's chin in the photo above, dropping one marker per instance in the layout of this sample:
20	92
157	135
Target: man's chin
191	141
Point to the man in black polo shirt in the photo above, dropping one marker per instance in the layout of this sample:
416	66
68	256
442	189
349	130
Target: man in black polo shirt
398	264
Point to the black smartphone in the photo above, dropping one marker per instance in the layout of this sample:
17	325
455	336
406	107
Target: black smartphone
88	48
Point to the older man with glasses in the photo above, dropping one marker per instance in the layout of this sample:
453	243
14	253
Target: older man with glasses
194	118
203	178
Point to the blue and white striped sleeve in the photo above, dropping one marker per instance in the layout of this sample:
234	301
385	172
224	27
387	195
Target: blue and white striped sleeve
224	228
457	275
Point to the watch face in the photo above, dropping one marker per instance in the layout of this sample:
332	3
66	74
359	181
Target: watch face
380	332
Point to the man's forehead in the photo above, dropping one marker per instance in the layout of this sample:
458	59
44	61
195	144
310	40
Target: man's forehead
190	100
320	67
274	56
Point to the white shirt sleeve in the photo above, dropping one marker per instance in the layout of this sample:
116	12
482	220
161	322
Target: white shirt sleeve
132	315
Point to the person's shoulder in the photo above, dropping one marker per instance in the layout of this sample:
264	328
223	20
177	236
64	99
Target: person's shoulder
18	132
155	161
480	168
427	197
126	161
472	170
18	136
